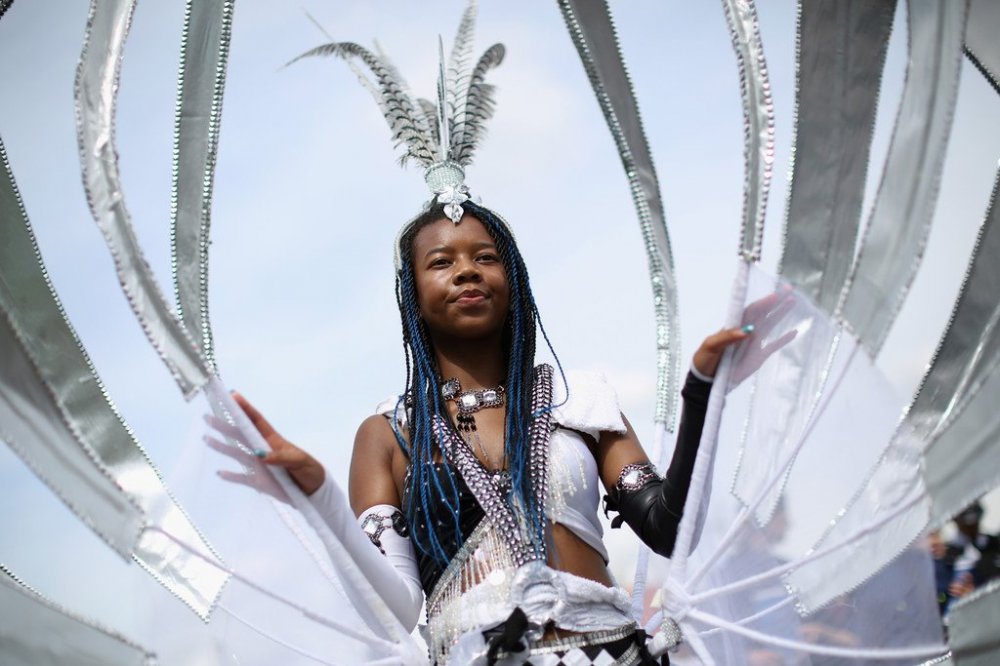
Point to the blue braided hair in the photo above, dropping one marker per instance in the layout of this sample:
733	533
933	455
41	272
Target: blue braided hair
426	488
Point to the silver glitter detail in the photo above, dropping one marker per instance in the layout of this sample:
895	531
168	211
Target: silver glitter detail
204	46
443	176
758	122
672	632
591	23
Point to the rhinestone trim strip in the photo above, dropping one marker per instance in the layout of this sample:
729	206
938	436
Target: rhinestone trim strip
207	34
487	493
646	196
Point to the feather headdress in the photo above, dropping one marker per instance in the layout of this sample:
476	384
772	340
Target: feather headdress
441	136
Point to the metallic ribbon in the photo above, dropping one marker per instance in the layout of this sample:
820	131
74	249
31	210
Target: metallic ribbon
894	240
841	54
204	55
59	418
981	43
593	33
972	627
95	94
46	380
758	122
955	407
36	631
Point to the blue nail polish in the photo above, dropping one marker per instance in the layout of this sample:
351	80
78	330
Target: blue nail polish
748	328
260	453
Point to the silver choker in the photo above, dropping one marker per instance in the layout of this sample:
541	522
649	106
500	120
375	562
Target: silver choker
470	402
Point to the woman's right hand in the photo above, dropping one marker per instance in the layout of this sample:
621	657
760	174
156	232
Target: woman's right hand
307	472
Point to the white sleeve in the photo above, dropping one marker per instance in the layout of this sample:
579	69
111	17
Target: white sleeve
395	576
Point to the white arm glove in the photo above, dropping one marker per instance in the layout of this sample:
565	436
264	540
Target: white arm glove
394	576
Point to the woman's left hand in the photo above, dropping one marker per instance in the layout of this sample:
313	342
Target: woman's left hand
760	319
706	359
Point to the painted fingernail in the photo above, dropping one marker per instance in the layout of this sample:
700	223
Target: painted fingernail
747	329
260	453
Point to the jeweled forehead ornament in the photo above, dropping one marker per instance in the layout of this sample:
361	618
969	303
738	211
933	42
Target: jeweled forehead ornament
441	136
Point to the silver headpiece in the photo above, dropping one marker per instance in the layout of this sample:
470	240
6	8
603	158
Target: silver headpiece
440	136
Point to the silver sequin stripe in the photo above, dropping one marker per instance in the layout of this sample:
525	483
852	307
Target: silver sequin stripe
581	640
498	511
593	32
204	46
758	122
541	429
95	96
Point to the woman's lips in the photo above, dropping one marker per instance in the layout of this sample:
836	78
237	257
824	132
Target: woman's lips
470	297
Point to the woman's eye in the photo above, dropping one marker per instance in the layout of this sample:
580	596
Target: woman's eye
488	257
438	263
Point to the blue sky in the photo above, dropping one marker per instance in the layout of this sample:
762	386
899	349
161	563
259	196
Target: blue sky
308	200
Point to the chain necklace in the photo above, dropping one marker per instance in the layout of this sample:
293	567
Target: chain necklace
470	402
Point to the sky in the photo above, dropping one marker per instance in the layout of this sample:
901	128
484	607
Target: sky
308	199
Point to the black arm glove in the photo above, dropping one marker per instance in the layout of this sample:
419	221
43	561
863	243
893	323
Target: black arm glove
652	506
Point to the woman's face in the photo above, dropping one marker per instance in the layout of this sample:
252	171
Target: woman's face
461	283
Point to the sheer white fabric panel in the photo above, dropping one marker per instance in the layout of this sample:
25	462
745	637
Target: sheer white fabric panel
291	597
811	550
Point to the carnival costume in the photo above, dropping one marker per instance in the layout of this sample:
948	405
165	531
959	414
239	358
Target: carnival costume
485	582
798	424
489	591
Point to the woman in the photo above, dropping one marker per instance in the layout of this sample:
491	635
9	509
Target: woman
479	483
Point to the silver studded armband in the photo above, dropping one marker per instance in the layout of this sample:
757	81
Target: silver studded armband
635	475
376	523
631	479
640	498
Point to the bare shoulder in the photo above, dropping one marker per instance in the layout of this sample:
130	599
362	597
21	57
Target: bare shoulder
375	432
371	479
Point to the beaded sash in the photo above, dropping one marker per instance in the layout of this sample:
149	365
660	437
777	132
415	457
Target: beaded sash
501	542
